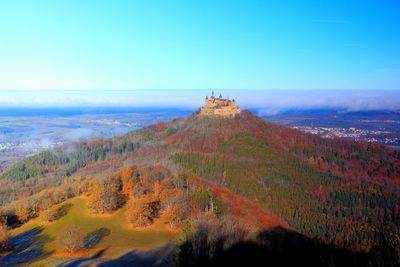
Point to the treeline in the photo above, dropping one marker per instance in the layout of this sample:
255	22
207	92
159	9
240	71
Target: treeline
147	191
48	169
150	192
70	158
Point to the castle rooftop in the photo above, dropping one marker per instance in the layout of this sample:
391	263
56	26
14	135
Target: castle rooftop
219	106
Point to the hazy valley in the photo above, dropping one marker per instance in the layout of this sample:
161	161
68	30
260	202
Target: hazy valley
25	132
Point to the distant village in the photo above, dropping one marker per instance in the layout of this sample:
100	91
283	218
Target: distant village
369	136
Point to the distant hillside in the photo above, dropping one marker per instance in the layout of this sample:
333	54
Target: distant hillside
338	191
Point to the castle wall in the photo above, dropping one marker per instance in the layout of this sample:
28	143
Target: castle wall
220	107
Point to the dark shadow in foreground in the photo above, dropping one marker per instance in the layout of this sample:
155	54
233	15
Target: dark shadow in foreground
278	247
162	257
26	248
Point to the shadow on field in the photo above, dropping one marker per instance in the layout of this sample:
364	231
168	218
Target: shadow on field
63	210
94	237
277	247
27	247
162	257
281	247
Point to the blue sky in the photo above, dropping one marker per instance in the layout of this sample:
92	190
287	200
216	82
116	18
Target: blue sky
256	45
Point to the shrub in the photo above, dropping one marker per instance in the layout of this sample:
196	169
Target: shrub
48	214
105	197
128	176
139	212
176	210
72	238
23	212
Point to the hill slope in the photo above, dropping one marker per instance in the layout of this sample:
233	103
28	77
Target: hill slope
339	191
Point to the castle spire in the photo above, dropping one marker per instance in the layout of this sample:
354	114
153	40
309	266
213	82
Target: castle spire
219	106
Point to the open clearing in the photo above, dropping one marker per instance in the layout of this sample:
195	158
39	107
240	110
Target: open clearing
120	237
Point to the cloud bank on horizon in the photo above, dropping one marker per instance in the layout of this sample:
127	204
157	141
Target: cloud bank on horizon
266	102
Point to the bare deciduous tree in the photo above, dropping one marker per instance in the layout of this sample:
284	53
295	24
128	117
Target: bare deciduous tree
72	238
176	209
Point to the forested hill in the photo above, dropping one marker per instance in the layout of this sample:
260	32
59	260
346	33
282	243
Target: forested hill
339	191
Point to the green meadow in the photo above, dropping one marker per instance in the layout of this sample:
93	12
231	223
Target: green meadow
120	237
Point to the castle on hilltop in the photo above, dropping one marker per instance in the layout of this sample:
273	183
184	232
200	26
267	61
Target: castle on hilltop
219	106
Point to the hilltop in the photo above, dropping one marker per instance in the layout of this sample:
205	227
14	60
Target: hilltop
321	186
336	191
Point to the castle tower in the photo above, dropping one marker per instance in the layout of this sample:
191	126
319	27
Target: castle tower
219	106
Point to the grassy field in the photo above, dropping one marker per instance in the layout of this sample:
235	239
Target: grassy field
120	238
